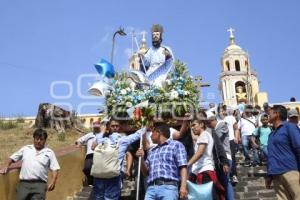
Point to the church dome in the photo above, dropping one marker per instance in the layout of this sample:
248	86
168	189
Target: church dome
233	48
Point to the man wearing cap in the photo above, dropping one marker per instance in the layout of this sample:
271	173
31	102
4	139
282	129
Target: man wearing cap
247	125
37	160
293	116
283	156
88	140
262	113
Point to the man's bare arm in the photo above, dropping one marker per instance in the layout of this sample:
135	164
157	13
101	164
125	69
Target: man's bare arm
183	186
9	162
52	184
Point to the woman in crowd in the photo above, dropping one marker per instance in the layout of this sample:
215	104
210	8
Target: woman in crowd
202	162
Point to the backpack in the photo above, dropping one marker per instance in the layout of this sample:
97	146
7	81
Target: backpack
105	161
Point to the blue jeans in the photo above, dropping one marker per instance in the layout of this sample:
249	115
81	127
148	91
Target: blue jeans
107	189
225	180
265	151
256	156
246	139
260	154
162	192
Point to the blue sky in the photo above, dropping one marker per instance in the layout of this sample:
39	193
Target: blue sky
60	40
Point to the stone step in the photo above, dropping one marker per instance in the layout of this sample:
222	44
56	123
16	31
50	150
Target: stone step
127	192
256	194
251	185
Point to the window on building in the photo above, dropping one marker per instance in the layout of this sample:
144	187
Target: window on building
227	65
237	65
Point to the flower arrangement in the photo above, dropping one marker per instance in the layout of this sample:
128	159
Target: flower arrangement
140	103
179	94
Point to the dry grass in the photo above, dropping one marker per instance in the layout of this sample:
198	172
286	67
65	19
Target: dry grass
13	139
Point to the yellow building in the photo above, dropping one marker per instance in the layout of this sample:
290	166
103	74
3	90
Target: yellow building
238	82
134	61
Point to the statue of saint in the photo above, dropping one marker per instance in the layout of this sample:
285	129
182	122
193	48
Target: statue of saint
158	59
158	53
241	96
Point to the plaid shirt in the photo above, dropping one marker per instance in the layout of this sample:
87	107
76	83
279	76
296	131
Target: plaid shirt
164	161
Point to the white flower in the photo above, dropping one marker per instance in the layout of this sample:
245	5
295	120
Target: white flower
132	85
169	82
186	93
123	92
174	95
128	104
128	89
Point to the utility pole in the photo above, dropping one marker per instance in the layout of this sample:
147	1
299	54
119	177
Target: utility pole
249	83
120	32
199	84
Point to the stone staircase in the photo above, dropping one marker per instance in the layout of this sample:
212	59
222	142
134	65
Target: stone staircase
128	192
251	184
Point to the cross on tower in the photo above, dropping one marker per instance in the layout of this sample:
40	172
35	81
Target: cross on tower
230	30
143	35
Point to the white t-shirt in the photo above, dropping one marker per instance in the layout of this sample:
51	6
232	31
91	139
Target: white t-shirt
230	120
88	139
35	164
247	128
206	162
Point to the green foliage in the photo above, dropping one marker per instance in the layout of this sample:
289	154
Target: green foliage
179	91
20	120
61	136
5	125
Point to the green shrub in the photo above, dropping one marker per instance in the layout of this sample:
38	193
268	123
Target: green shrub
4	125
61	136
20	120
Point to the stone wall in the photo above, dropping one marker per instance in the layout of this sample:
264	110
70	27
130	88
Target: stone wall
69	181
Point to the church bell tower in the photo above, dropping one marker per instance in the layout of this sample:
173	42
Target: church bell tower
238	82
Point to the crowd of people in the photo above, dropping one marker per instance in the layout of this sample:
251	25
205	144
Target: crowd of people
202	150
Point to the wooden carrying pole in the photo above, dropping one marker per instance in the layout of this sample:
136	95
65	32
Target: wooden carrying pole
139	171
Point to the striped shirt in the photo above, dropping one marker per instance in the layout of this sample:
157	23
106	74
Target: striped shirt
164	161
